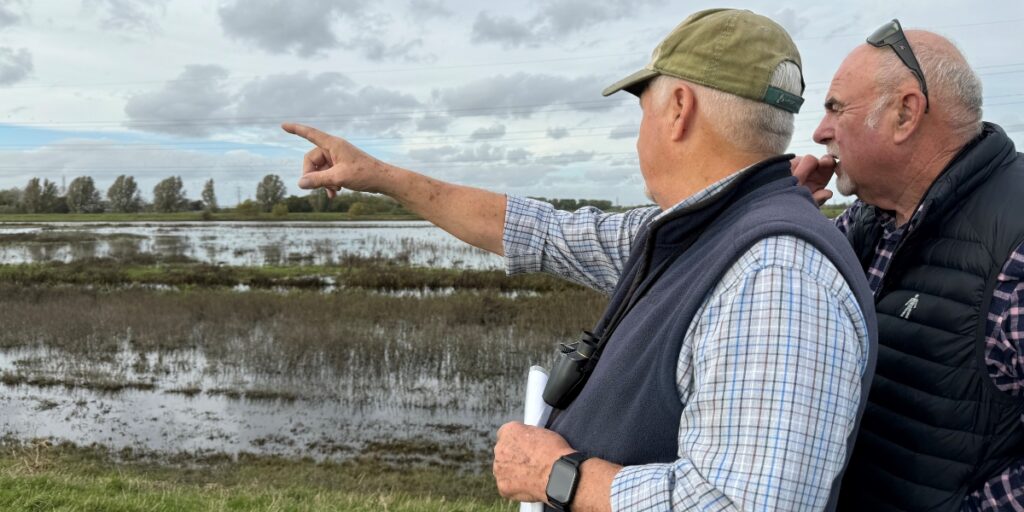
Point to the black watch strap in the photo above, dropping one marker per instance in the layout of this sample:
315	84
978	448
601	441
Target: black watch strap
574	461
575	458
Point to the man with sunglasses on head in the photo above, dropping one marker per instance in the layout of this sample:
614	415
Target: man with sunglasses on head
938	227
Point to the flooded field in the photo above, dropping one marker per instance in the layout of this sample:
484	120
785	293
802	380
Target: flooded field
414	377
242	243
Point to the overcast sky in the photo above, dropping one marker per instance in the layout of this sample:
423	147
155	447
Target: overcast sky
506	97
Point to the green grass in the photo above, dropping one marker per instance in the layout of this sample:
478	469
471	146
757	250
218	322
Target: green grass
192	216
39	477
833	210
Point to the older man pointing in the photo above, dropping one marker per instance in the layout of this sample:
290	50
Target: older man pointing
731	366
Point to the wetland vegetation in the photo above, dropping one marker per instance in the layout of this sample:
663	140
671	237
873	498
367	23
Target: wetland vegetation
148	379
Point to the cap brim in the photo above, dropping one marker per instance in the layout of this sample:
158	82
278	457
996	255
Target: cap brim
630	81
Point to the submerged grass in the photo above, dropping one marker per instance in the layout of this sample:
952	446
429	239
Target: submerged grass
63	237
97	383
38	476
354	344
366	273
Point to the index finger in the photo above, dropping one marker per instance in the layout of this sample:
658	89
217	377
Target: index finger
803	166
307	132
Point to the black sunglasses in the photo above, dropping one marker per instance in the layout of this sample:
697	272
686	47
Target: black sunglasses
891	35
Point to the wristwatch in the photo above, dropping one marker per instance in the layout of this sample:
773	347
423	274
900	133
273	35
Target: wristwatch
563	480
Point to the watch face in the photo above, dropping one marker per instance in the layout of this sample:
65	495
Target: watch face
562	481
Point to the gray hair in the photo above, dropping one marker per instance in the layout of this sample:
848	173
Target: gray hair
952	84
753	126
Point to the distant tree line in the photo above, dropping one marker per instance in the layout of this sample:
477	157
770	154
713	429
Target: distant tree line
576	204
124	196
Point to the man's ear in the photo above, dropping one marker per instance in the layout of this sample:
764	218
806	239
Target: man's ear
681	106
909	116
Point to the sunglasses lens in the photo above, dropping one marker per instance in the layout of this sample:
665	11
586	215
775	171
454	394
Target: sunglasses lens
886	34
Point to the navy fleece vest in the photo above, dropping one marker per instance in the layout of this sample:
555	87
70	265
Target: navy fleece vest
629	411
936	427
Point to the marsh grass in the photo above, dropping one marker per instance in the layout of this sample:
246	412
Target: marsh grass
376	273
351	345
64	237
99	383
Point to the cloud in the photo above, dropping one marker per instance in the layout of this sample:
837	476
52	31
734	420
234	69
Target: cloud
555	21
486	153
562	159
132	15
433	122
282	26
483	153
312	28
192	105
7	16
523	94
426	9
505	30
200	102
518	155
792	21
557	133
626	131
495	131
377	49
610	175
15	65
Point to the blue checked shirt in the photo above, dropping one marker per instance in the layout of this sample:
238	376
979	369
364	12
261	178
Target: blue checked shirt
769	372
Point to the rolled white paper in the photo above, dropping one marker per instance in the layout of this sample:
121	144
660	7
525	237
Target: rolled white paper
536	410
535	413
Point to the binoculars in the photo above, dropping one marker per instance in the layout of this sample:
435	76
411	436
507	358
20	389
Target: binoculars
573	366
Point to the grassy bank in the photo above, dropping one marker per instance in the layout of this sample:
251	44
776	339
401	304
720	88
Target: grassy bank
37	476
376	274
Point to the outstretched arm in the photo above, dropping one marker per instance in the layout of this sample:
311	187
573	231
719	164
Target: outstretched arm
472	215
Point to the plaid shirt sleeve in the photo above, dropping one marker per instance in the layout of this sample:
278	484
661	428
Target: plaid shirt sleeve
770	375
1003	343
588	246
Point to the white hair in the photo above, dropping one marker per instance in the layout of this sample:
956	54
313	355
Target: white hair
752	126
952	84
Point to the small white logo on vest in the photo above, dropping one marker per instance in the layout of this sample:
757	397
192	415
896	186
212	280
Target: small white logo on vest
910	306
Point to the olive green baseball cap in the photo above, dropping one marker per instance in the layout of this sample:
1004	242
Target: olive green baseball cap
731	50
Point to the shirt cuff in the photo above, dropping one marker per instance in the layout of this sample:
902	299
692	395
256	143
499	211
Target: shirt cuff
646	487
524	234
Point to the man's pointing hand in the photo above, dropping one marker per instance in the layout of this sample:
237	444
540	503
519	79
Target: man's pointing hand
334	163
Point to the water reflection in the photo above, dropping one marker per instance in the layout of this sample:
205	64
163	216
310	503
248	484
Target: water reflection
240	243
328	409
